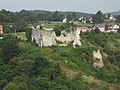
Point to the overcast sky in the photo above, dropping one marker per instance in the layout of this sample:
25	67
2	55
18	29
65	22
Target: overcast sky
88	6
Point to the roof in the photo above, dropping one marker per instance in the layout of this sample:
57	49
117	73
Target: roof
113	24
84	28
100	25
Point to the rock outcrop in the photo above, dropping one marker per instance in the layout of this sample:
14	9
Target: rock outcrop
77	38
98	60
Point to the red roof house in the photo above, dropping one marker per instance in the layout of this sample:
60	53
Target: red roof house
84	29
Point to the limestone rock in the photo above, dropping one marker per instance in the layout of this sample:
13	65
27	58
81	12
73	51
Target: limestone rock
77	38
98	60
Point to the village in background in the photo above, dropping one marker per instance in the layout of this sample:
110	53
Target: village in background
50	27
12	22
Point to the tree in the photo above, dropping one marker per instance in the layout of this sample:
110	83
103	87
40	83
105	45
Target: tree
39	65
20	26
70	17
97	30
28	34
11	86
16	86
10	49
74	15
56	16
98	18
57	30
118	19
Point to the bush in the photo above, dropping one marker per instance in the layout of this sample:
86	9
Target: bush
28	34
10	48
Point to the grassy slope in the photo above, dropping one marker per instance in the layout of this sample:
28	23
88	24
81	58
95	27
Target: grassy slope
79	60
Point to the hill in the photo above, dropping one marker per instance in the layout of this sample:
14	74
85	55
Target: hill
115	13
64	68
65	13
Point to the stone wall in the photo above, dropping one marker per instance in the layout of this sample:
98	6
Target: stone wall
36	35
49	38
65	37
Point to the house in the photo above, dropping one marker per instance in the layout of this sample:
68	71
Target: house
84	29
101	27
1	29
65	20
90	20
82	19
113	27
110	17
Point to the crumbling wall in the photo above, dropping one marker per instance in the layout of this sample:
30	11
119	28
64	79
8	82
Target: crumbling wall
35	36
49	38
65	37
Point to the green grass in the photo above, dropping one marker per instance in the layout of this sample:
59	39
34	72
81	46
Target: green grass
108	21
53	24
76	61
20	35
82	24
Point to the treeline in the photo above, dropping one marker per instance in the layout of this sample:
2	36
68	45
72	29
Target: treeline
16	20
19	20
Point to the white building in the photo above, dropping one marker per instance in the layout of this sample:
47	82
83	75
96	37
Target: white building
82	19
65	20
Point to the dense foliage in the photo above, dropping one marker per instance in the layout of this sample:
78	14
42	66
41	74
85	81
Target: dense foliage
118	18
10	48
98	18
28	34
62	68
66	26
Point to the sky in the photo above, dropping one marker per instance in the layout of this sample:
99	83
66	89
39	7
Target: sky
87	6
